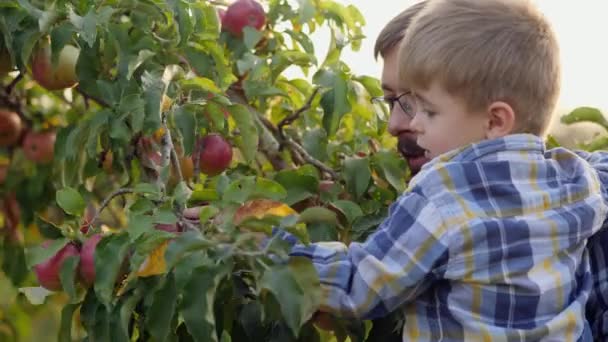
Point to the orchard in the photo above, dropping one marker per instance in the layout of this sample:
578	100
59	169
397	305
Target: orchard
148	147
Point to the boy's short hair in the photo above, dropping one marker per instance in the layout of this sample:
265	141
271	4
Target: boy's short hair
486	51
392	34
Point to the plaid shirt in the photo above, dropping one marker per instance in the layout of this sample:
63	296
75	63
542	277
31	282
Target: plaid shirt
486	244
597	307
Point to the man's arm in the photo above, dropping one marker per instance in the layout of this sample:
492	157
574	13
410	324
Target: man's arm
597	306
399	261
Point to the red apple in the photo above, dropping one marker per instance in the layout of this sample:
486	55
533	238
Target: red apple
215	155
87	260
3	173
59	76
221	13
39	147
47	272
243	13
10	127
325	185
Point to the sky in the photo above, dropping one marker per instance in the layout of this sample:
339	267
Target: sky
580	26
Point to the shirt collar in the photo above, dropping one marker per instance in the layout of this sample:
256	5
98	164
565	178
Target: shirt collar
527	143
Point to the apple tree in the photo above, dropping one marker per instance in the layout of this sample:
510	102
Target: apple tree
148	148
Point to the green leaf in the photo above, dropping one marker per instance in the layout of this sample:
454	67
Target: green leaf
141	206
318	215
207	212
392	166
315	143
70	201
216	115
165	216
371	84
89	28
139	224
200	83
67	275
120	131
65	328
185	243
122	317
136	61
335	103
182	17
186	123
161	312
251	37
35	295
13	262
132	107
197	302
38	254
585	114
269	189
247	141
109	257
357	175
145	188
296	288
351	210
299	187
153	91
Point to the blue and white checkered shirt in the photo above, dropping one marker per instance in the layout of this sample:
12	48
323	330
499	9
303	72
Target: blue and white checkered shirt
486	244
597	307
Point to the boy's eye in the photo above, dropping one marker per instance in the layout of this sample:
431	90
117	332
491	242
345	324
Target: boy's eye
430	113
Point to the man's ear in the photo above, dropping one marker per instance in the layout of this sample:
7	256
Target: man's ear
501	120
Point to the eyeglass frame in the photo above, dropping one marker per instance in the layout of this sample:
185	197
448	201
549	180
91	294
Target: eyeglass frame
390	101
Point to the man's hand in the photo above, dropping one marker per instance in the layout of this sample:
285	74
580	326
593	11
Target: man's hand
324	320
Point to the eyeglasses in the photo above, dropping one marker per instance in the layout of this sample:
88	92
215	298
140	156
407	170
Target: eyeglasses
406	101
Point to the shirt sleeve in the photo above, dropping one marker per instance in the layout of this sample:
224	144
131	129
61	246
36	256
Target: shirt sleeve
393	266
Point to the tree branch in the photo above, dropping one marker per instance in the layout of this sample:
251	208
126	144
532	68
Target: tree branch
295	115
106	202
11	86
87	97
310	159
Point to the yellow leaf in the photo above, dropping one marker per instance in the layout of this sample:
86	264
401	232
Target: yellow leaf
155	262
158	134
259	208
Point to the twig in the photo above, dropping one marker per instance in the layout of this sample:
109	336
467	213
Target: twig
269	144
295	115
106	202
94	98
11	86
310	159
196	156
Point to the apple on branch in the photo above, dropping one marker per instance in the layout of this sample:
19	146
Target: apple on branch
10	127
55	76
243	13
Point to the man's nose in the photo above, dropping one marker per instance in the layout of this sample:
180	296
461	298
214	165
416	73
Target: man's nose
398	122
416	124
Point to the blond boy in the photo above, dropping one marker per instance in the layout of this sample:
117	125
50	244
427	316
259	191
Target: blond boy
488	241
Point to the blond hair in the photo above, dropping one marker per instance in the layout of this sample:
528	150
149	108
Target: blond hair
486	51
392	34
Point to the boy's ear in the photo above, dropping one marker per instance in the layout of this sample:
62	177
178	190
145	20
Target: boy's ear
501	120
